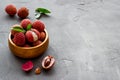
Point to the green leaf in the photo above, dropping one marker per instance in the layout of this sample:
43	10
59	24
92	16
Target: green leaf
18	29
29	26
42	10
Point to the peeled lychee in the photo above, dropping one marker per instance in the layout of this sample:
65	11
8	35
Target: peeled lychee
32	35
37	32
24	23
23	12
11	9
39	25
13	32
27	66
37	43
19	39
42	36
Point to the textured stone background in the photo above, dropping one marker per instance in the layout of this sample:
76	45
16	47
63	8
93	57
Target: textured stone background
84	39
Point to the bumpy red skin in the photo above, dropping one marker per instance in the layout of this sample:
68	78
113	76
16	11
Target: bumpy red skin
29	35
38	25
19	39
14	32
24	23
37	43
27	45
27	66
42	36
11	9
23	12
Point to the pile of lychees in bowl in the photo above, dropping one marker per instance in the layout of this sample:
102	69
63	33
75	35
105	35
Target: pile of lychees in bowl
28	39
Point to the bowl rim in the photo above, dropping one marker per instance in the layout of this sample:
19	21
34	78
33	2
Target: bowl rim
29	47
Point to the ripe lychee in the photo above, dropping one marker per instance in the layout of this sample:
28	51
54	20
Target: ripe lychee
13	32
37	32
37	43
32	35
27	45
19	39
23	12
39	25
42	36
11	9
24	23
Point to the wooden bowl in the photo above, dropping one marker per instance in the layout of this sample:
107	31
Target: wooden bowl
29	52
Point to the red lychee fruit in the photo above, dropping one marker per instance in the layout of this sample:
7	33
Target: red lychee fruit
39	25
27	45
27	66
11	9
42	36
19	39
13	32
37	32
32	35
24	23
23	12
37	43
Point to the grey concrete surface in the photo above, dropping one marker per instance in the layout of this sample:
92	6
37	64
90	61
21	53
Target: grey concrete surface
84	39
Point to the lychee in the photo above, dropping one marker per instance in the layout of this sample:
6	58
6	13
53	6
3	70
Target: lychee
27	45
23	12
13	32
39	25
37	32
42	36
32	35
24	23
37	43
11	9
27	66
19	39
